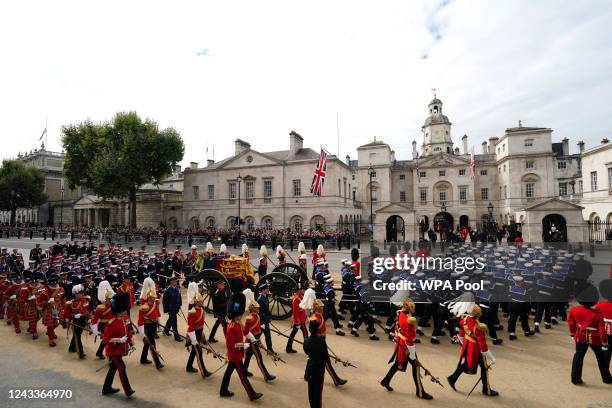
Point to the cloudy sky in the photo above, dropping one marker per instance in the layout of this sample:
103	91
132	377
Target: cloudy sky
255	70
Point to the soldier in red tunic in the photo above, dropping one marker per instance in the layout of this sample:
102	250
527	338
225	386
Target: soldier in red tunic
149	318
117	340
195	331
51	301
234	342
76	312
302	257
252	331
12	309
405	350
4	285
298	319
103	314
473	337
262	269
309	302
605	307
125	285
27	302
586	326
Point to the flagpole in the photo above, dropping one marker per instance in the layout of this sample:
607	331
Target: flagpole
338	131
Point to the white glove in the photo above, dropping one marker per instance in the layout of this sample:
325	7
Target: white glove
51	300
159	321
32	297
263	326
77	316
604	348
246	346
412	354
489	356
141	331
94	329
192	337
461	339
123	339
13	297
251	337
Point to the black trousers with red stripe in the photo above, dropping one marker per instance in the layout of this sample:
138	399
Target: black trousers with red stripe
239	367
315	389
116	364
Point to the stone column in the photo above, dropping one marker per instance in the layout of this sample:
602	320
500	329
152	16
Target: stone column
96	217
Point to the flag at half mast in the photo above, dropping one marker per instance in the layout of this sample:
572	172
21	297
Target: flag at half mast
318	179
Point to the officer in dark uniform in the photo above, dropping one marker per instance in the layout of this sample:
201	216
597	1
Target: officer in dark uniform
219	310
172	303
316	349
264	314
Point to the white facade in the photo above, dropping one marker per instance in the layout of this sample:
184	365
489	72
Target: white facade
597	183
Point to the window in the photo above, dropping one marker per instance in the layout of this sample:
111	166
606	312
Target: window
530	190
504	168
580	186
562	189
196	192
593	181
610	178
354	195
250	223
268	192
484	193
529	164
483	172
297	188
423	195
211	192
374	195
373	174
232	191
462	172
463	194
442	173
402	177
210	223
249	186
561	165
297	224
442	195
504	147
505	191
403	196
422	174
372	155
528	142
267	224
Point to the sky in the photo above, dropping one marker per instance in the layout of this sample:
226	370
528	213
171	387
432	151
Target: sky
256	70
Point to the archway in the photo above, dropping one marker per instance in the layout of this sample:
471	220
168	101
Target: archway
464	221
554	228
317	223
172	222
395	228
443	222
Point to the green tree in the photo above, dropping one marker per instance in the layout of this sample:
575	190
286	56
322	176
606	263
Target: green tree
113	159
21	186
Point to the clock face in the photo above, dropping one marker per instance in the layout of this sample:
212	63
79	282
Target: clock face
249	159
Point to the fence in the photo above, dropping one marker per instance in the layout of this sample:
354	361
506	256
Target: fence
600	232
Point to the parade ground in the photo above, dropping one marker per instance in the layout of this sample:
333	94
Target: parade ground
530	372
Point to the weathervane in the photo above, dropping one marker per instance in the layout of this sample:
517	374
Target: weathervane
434	92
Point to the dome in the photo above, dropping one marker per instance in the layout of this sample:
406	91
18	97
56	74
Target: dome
435	101
436	119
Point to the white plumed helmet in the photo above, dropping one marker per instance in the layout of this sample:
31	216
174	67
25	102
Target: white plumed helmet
192	290
147	286
104	287
308	299
301	247
263	251
245	248
209	247
223	249
320	250
250	297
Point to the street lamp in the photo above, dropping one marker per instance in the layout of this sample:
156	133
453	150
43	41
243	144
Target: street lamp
62	208
239	180
490	208
13	211
371	174
443	206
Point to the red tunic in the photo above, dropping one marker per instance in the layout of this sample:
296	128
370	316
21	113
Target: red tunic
195	319
234	336
116	329
12	311
586	325
51	311
252	325
76	306
148	313
606	312
102	314
28	309
299	314
357	270
127	287
4	285
322	329
405	335
316	257
475	341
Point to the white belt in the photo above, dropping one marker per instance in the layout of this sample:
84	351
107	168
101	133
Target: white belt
607	320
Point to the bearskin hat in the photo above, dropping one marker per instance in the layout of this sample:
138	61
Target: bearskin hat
605	288
236	305
588	296
393	250
120	302
354	254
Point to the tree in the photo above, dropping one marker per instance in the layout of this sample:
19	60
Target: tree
21	186
113	159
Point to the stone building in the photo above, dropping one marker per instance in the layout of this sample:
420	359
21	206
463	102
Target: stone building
270	190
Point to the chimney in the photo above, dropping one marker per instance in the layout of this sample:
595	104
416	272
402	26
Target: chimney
194	165
485	149
210	162
348	160
581	146
605	140
296	142
565	143
177	168
457	151
240	146
464	142
414	149
492	143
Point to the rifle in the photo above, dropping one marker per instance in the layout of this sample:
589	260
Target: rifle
487	367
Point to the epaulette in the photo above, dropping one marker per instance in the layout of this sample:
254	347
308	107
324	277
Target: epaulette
101	307
482	327
144	308
412	320
193	310
69	302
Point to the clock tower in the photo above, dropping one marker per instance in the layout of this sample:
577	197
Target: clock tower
436	130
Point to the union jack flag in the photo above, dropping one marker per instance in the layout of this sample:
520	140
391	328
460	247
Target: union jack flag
417	168
472	164
316	188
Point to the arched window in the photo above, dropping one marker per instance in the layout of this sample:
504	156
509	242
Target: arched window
296	223
250	223
194	222
210	222
266	222
317	223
